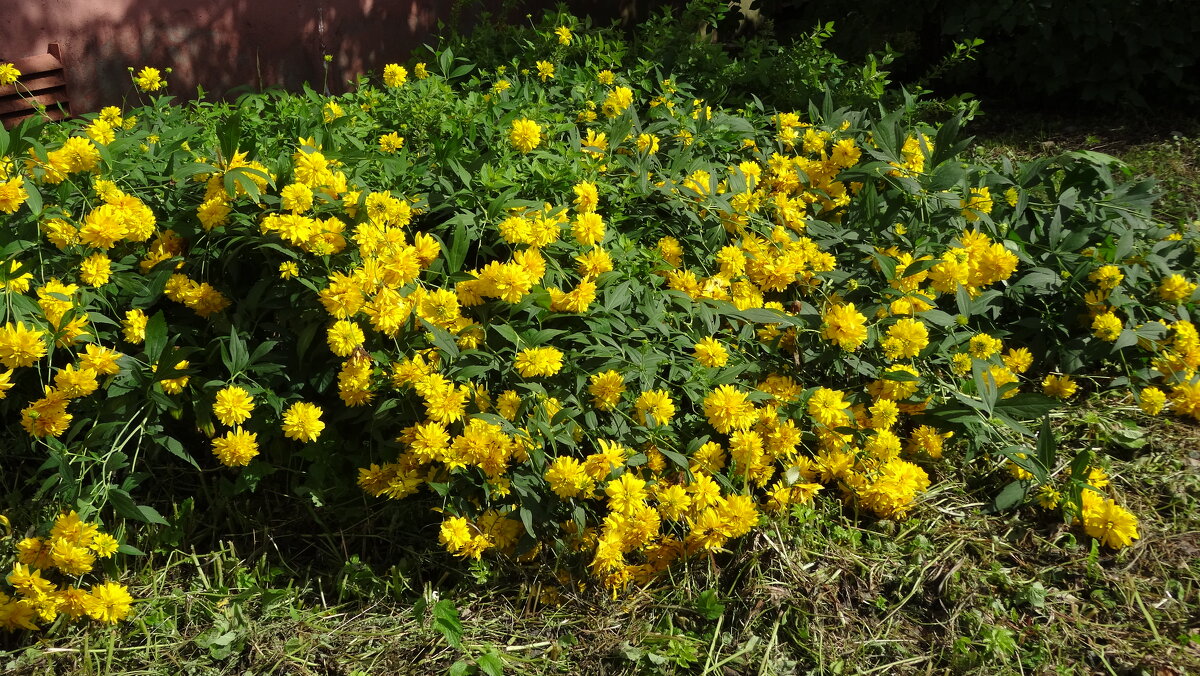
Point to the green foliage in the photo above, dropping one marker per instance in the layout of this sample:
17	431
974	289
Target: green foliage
708	44
1109	53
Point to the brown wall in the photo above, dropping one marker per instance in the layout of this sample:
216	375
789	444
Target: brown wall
223	44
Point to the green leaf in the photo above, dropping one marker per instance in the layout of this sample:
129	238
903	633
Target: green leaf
762	316
126	507
1046	445
1027	405
1008	497
445	620
156	337
679	459
229	135
35	198
172	445
1040	279
490	664
443	340
445	60
458	246
191	169
508	333
238	357
1127	338
527	521
709	604
1023	458
938	318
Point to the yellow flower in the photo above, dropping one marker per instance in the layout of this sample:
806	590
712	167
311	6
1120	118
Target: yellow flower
1061	387
135	325
1176	289
884	414
237	448
12	194
344	337
1018	360
296	198
844	326
508	404
1152	400
538	361
587	197
525	135
1107	326
588	228
711	353
545	70
1185	399
18	283
8	74
594	263
568	478
176	385
104	545
420	71
95	270
110	603
983	346
331	111
1047	497
74	382
978	202
390	143
728	409
564	35
100	359
617	101
21	345
233	405
1107	521
302	422
906	338
394	75
828	408
1107	277
656	403
288	269
149	79
606	389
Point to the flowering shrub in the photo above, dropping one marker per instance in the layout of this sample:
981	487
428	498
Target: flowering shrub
601	320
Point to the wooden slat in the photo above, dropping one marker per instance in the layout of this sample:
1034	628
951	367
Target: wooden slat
35	84
33	65
14	104
11	120
43	81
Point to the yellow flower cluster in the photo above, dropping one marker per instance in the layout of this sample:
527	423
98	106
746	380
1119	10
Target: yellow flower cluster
72	547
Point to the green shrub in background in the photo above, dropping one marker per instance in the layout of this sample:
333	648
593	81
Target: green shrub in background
1036	52
708	44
